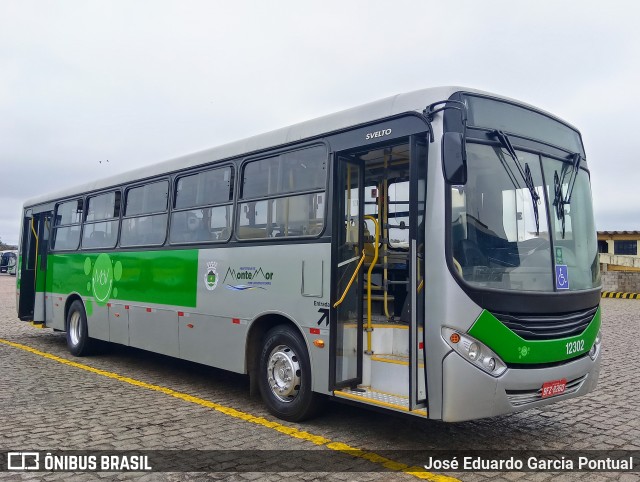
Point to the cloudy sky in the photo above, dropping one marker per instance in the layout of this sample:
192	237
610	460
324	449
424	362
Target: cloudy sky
137	82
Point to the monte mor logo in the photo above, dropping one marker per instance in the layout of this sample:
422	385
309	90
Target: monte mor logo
256	278
211	276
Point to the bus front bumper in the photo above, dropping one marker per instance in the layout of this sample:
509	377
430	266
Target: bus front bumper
469	393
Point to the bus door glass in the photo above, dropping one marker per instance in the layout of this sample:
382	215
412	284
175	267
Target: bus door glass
31	278
418	281
347	329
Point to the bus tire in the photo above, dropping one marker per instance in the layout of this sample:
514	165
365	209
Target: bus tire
78	340
285	375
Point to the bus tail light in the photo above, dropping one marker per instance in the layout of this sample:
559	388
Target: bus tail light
474	351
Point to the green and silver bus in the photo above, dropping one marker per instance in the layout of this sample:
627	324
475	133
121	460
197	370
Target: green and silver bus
433	253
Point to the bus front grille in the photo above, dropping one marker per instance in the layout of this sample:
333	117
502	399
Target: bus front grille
522	397
547	327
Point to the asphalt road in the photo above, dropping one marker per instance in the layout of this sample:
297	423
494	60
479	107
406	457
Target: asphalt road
129	399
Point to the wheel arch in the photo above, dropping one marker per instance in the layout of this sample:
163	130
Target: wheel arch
67	304
258	328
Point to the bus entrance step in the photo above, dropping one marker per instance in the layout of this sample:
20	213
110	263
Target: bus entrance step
396	359
380	399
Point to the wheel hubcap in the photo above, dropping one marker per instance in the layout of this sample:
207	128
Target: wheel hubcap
74	328
283	373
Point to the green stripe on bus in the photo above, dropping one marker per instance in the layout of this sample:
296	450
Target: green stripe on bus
162	277
513	349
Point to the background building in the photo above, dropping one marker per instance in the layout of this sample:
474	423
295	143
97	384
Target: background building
619	260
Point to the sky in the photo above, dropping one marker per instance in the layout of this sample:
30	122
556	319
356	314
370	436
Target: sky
136	82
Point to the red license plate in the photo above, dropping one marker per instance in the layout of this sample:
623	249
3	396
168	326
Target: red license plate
556	387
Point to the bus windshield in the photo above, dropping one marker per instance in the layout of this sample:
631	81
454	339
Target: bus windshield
496	241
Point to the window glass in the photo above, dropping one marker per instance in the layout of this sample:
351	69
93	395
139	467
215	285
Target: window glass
201	225
625	247
515	119
66	238
573	227
150	198
301	215
495	240
290	216
144	230
208	187
100	235
104	206
399	214
68	212
301	170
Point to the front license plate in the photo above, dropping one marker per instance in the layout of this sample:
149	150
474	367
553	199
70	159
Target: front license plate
556	387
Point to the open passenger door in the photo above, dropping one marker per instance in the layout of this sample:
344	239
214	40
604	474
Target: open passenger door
378	274
31	274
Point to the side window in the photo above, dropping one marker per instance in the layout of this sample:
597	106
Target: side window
101	223
145	215
284	195
203	207
398	193
629	248
66	225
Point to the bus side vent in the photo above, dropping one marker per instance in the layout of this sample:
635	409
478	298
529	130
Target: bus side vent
547	327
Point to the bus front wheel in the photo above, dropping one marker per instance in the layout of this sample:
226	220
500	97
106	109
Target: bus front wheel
78	339
285	375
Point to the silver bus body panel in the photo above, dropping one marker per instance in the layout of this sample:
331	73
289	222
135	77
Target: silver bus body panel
470	393
253	282
215	331
445	301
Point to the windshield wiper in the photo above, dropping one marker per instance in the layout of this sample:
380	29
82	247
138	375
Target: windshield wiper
524	173
559	199
576	159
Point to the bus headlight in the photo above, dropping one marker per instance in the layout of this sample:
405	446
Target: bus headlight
593	353
474	351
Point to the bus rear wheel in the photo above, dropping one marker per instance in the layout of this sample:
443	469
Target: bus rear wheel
78	340
285	376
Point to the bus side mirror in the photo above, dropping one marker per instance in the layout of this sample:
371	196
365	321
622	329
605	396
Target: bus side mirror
454	158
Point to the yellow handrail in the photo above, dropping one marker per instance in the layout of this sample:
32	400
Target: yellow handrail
353	277
373	263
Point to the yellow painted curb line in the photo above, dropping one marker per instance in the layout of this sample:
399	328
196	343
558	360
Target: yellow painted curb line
418	472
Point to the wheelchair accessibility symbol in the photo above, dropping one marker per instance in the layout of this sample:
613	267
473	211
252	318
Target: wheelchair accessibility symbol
562	277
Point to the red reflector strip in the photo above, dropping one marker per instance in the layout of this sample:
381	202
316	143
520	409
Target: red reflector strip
149	310
181	313
236	321
126	307
420	346
108	305
314	331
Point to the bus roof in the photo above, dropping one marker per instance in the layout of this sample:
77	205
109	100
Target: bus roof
397	104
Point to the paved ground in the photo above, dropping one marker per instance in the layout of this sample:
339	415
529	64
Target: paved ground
49	405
